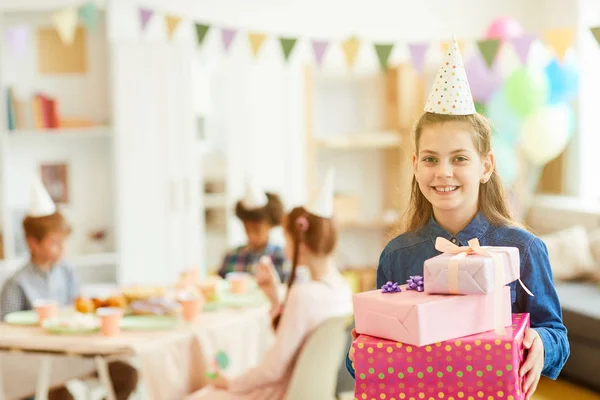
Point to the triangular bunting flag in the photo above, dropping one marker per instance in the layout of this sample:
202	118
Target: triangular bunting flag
228	35
489	50
201	31
383	54
17	38
172	22
256	42
351	47
596	32
319	48
522	45
89	14
65	22
145	15
560	40
287	45
418	51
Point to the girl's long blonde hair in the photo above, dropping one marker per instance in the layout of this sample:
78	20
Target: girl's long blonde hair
492	199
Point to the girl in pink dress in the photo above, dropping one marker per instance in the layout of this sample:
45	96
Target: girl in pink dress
312	234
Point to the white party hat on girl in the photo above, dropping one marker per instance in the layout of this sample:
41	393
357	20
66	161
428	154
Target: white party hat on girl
255	197
450	93
41	202
321	204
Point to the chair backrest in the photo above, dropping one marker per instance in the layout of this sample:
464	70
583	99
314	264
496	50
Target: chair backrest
316	370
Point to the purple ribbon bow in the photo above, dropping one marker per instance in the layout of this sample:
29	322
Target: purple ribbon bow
390	287
415	283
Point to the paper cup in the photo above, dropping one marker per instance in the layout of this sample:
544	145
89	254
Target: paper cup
110	319
190	305
45	309
238	282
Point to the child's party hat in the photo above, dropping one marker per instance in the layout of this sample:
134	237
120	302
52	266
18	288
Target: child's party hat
41	202
321	204
450	93
255	197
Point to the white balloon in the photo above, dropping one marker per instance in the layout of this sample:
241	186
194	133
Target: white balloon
545	133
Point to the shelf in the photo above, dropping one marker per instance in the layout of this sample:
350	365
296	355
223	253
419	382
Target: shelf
88	132
215	200
372	140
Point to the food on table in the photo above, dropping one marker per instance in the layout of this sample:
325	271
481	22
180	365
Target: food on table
84	305
73	322
134	293
155	306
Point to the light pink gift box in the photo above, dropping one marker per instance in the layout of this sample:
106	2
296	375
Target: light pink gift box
475	272
420	318
460	270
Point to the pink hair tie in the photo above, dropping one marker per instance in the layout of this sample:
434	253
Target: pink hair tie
302	223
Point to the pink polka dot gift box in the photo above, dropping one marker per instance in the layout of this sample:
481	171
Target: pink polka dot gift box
481	366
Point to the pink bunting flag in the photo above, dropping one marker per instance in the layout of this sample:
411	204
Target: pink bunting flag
228	35
17	38
418	51
145	15
522	45
319	49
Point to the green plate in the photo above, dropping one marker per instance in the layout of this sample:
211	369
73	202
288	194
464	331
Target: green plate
254	298
148	323
22	318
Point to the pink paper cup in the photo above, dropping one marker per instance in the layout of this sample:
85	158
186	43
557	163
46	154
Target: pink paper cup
238	282
190	307
45	309
110	319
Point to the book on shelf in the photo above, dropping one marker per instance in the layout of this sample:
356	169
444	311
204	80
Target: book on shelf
42	112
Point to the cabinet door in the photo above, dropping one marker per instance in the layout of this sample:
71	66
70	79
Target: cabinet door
153	126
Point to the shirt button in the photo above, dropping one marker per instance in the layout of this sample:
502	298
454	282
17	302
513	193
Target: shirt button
454	240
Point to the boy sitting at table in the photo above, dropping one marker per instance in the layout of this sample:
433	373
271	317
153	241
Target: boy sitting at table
46	276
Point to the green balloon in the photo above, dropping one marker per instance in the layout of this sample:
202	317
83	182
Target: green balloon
480	108
526	90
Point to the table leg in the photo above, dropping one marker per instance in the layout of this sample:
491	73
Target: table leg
104	376
43	380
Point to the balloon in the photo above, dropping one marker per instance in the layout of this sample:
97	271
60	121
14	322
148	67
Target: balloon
526	90
545	133
507	163
563	81
504	119
504	28
480	108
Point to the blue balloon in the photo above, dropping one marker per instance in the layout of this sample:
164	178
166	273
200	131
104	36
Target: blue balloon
505	122
563	81
507	163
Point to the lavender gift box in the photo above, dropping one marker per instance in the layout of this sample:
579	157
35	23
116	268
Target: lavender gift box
471	269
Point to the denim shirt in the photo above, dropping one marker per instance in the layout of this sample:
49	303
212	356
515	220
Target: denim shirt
404	256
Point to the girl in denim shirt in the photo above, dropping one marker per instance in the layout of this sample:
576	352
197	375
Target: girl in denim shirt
457	194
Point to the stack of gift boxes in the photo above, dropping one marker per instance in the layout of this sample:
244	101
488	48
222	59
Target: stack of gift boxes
447	335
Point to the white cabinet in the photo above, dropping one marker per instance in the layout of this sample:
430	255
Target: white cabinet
134	172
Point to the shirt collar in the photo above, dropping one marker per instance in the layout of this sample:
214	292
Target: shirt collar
475	229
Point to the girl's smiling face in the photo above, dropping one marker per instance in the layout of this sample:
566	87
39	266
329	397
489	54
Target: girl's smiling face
449	169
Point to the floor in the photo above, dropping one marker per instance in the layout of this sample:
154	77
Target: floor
547	390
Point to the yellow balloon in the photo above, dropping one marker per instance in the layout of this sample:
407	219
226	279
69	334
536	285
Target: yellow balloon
546	133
